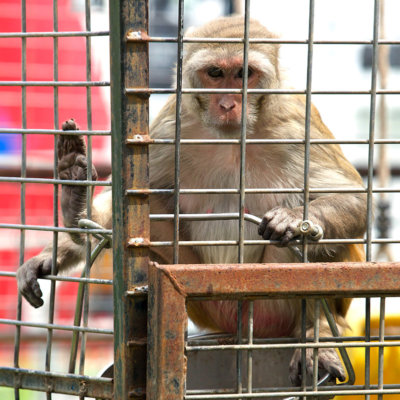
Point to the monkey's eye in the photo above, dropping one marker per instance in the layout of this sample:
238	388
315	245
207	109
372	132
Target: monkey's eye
215	72
240	73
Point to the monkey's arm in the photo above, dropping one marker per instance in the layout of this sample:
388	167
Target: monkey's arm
72	165
70	252
339	215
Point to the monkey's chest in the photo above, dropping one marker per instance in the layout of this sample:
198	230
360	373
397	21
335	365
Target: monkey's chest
222	171
217	232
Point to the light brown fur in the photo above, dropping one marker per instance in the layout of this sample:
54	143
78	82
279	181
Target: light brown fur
269	116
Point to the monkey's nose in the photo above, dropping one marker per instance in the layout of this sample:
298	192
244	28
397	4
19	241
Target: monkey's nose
227	105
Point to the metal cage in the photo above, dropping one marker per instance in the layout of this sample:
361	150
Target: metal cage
154	357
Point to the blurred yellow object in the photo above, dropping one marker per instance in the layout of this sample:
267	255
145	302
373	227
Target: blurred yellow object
391	363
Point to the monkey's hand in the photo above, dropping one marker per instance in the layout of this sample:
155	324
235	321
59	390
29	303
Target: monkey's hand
72	166
328	362
280	224
28	275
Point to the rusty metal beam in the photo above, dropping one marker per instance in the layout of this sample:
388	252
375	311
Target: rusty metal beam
282	279
170	286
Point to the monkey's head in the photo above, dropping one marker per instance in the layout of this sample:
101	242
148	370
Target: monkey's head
220	66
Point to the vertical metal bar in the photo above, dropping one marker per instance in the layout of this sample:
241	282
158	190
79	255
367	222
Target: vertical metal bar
250	352
17	343
310	52
372	128
239	385
49	341
243	131
367	377
370	181
381	348
316	340
242	182
89	190
129	67
307	136
178	129
303	340
166	368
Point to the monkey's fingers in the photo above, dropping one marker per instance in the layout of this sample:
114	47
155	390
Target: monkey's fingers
328	362
28	275
279	224
70	125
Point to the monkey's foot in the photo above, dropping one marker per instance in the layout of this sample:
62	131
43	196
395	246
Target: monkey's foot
328	362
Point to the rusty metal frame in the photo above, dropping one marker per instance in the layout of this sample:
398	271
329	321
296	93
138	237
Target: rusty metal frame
171	286
130	113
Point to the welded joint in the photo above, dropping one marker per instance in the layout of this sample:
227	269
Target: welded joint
138	242
138	192
83	388
137	36
138	291
17	380
137	342
139	139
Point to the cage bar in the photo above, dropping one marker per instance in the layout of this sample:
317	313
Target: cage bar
129	67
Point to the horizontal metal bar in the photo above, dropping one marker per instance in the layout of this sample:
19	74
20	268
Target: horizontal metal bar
137	36
7	35
274	141
78	385
53	228
63	278
55	326
268	242
54	132
263	242
226	280
55	83
221	337
324	388
149	91
54	181
305	393
290	346
139	192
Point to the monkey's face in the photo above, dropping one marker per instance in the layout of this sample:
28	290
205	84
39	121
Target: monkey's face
223	111
222	68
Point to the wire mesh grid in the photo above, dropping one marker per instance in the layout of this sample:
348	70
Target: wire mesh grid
129	21
41	359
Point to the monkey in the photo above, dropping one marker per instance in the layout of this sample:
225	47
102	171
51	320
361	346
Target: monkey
206	166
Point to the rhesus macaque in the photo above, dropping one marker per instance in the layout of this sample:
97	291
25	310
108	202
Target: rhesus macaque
218	116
